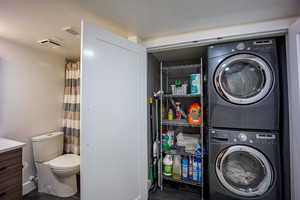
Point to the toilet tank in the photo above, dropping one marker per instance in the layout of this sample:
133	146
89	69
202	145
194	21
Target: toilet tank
48	146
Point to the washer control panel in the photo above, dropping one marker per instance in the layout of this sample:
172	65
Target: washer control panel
241	46
242	137
267	138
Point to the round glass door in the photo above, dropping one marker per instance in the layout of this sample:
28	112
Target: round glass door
244	171
243	79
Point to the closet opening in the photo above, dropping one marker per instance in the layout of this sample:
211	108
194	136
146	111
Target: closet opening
176	123
177	148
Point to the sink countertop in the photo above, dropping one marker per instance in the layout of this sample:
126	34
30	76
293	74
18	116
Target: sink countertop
8	145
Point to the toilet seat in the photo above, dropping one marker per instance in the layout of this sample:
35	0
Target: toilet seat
65	162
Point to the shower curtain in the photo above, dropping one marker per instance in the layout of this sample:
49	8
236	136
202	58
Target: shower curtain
71	121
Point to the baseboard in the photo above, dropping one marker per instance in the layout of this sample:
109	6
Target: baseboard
28	187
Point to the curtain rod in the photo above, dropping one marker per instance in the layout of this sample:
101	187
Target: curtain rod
76	59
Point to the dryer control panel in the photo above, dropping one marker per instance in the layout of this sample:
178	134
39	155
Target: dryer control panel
262	45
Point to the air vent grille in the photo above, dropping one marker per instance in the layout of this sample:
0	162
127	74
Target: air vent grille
50	43
71	31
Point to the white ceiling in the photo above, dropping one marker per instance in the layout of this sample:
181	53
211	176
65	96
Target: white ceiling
26	21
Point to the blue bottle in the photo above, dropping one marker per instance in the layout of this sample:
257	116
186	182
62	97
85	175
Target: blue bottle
197	169
191	167
185	168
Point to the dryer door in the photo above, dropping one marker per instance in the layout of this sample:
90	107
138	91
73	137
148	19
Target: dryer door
243	79
244	171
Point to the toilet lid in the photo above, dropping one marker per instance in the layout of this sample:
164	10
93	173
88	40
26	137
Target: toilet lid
65	161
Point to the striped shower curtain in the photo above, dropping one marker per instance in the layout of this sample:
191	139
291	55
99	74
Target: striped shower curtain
71	121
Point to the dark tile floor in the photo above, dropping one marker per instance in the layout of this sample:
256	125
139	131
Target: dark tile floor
35	195
169	193
175	193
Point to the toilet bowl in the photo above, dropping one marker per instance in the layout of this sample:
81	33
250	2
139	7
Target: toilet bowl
56	171
65	165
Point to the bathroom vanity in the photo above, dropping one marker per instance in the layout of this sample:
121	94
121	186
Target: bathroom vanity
10	169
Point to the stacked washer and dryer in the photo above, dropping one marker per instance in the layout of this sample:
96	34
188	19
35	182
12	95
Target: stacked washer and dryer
243	139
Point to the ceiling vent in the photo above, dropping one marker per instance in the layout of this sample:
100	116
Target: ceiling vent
51	43
71	31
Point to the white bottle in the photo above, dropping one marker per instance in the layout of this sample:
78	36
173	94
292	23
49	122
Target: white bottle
167	165
171	137
176	174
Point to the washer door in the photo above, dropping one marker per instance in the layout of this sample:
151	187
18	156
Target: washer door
243	79
244	171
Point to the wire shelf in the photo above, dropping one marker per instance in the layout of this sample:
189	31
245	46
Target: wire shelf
182	67
188	181
181	96
180	122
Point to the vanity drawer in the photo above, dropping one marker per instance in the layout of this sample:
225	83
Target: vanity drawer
10	164
15	181
11	193
11	175
9	172
11	189
14	156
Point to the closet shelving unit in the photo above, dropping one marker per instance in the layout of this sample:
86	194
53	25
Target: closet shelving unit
180	123
181	96
167	74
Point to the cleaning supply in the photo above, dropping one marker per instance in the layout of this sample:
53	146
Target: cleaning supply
185	168
163	112
198	150
194	115
168	139
179	87
171	134
197	164
177	167
173	88
191	167
178	109
195	83
188	141
184	88
165	140
177	83
170	114
197	169
167	165
183	115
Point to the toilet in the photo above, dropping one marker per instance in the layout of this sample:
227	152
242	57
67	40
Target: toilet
56	171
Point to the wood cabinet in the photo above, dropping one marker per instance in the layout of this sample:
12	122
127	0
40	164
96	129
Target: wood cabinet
11	175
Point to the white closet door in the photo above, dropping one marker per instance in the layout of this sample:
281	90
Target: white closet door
294	103
113	117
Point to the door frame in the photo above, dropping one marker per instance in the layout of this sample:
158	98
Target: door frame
233	37
294	111
218	40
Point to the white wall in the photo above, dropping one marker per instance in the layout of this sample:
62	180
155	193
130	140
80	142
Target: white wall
31	96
